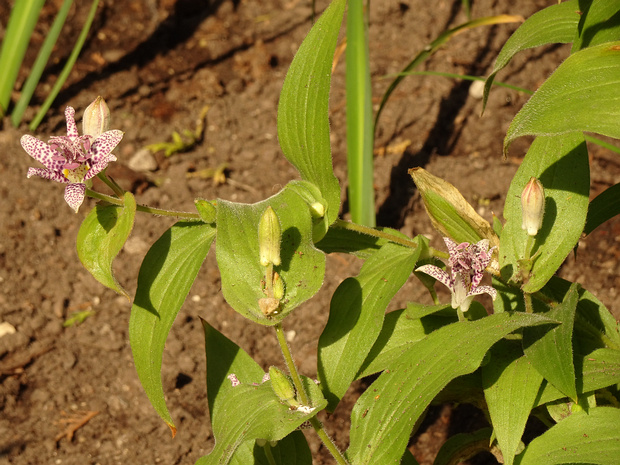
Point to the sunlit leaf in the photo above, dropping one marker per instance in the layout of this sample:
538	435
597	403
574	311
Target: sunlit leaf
102	236
166	276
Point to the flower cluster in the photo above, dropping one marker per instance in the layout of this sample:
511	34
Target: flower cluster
467	264
74	159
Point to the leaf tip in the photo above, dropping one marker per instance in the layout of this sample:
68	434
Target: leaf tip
173	429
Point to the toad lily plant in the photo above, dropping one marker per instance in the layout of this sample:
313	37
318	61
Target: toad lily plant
75	159
467	264
547	348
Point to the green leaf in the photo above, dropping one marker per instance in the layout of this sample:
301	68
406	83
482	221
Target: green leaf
102	236
555	24
384	416
302	268
292	450
359	119
356	316
398	333
604	207
511	386
561	165
551	352
581	438
600	23
581	95
251	410
165	278
463	446
303	120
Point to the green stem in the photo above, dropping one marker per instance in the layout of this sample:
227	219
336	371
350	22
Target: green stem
303	396
118	190
269	454
143	208
385	235
529	308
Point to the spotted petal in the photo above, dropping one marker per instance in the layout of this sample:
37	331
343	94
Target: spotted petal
72	131
483	290
104	144
42	152
437	273
74	195
46	174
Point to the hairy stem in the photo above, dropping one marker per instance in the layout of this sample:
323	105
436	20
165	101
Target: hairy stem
143	208
303	396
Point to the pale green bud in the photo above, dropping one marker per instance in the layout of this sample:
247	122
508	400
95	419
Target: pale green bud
533	204
278	286
96	118
206	210
269	238
317	210
282	386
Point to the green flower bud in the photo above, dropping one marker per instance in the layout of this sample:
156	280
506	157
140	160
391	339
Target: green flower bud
533	204
317	210
282	386
261	442
269	237
278	286
96	118
206	210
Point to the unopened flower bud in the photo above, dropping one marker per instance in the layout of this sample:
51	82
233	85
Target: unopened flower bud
96	118
533	204
269	237
278	286
282	386
317	210
206	210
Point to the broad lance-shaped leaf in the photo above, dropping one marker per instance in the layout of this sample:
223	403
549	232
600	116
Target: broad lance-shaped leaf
303	120
510	385
463	445
384	416
581	95
356	316
599	24
249	410
292	450
551	352
561	164
604	207
237	250
579	438
555	24
165	278
102	236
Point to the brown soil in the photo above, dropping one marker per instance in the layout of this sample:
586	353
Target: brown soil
158	64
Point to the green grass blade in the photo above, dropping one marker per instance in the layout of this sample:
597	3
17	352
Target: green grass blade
64	74
21	24
359	119
441	40
39	65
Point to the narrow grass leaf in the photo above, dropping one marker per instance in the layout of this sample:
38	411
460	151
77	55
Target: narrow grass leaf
561	164
64	74
22	21
383	418
359	119
303	119
102	236
165	278
39	65
581	95
430	49
356	316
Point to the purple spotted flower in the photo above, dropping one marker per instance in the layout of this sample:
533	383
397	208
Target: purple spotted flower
467	264
72	159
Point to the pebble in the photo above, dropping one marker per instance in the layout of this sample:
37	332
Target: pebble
143	161
7	328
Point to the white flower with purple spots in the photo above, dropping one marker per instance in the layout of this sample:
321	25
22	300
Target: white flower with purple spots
467	264
72	159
